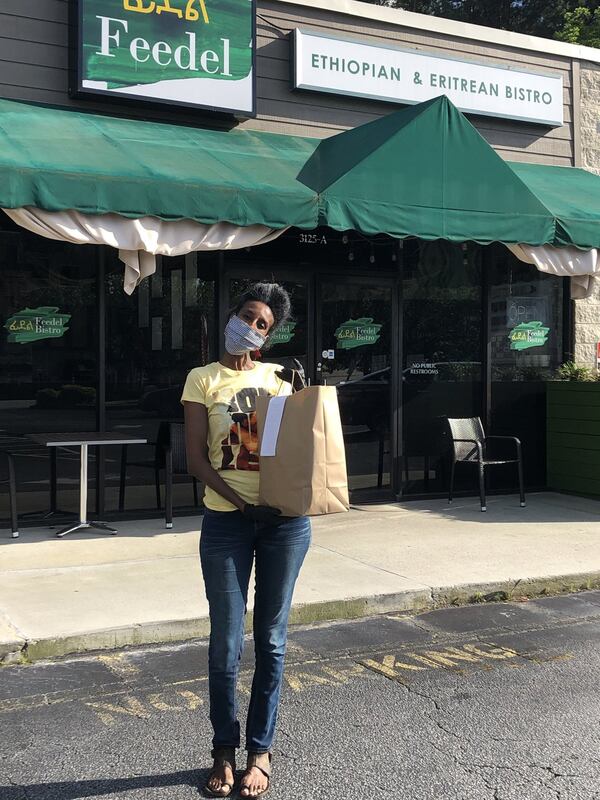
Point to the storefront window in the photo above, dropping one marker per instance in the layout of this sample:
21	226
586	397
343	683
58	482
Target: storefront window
349	328
154	337
48	358
354	351
526	348
441	363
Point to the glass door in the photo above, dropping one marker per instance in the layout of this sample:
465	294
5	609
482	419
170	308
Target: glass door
355	348
441	361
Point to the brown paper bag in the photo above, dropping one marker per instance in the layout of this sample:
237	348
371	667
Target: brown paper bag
306	470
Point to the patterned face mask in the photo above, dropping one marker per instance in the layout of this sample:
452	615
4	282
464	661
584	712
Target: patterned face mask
240	338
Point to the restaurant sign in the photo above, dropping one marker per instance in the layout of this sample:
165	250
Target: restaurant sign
380	72
357	332
186	52
33	324
283	334
528	334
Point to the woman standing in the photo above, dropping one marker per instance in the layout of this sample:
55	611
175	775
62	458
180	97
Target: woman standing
222	452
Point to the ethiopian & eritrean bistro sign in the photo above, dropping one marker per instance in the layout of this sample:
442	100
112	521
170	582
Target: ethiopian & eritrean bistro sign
187	52
341	66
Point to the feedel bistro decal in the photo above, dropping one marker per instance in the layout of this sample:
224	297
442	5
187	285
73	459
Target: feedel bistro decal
32	324
528	334
357	332
188	52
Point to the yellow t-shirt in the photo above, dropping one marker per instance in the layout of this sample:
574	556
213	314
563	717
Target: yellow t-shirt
230	398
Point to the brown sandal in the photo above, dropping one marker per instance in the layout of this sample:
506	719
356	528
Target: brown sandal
223	757
266	771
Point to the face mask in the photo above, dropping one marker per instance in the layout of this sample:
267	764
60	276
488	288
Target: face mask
240	338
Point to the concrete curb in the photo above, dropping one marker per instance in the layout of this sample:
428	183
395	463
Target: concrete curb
11	641
412	601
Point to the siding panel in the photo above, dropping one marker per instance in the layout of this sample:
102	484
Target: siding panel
34	67
49	10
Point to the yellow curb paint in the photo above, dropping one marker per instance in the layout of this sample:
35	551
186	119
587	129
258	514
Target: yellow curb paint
411	667
449	656
119	664
112	704
344	675
297	681
446	657
192	700
200	679
424	660
158	700
130	707
387	666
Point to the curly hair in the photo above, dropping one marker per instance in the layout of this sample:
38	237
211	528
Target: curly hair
273	295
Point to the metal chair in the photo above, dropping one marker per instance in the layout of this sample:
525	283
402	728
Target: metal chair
12	492
169	454
470	446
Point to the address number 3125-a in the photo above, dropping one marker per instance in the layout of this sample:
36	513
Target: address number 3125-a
312	238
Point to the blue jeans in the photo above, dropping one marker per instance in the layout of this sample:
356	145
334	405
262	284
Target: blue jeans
229	543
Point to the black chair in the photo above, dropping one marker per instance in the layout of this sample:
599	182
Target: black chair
470	446
12	491
169	454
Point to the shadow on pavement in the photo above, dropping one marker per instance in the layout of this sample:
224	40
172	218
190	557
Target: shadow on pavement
542	507
70	790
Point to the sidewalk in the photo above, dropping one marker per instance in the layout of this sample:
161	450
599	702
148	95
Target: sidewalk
91	591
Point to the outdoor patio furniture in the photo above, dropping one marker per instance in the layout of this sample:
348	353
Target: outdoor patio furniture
169	454
83	441
470	446
12	491
22	448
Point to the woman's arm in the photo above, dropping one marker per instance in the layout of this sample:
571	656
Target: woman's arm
196	448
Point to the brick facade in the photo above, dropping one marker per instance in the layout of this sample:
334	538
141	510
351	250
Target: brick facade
587	312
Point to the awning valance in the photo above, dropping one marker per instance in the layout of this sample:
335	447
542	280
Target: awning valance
57	159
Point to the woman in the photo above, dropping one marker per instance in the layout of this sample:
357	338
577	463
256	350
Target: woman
222	452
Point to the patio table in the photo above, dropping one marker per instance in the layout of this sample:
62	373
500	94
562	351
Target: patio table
83	441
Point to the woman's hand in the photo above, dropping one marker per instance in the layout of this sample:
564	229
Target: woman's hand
294	376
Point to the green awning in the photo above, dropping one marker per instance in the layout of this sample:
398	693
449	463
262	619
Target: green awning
424	171
59	159
573	197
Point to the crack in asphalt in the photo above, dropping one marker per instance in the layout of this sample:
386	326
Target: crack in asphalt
474	768
14	755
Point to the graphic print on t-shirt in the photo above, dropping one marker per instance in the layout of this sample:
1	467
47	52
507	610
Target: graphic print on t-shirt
240	446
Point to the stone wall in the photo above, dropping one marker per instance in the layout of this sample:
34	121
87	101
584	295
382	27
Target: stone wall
587	312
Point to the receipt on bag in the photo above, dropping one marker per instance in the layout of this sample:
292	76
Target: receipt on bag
268	445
